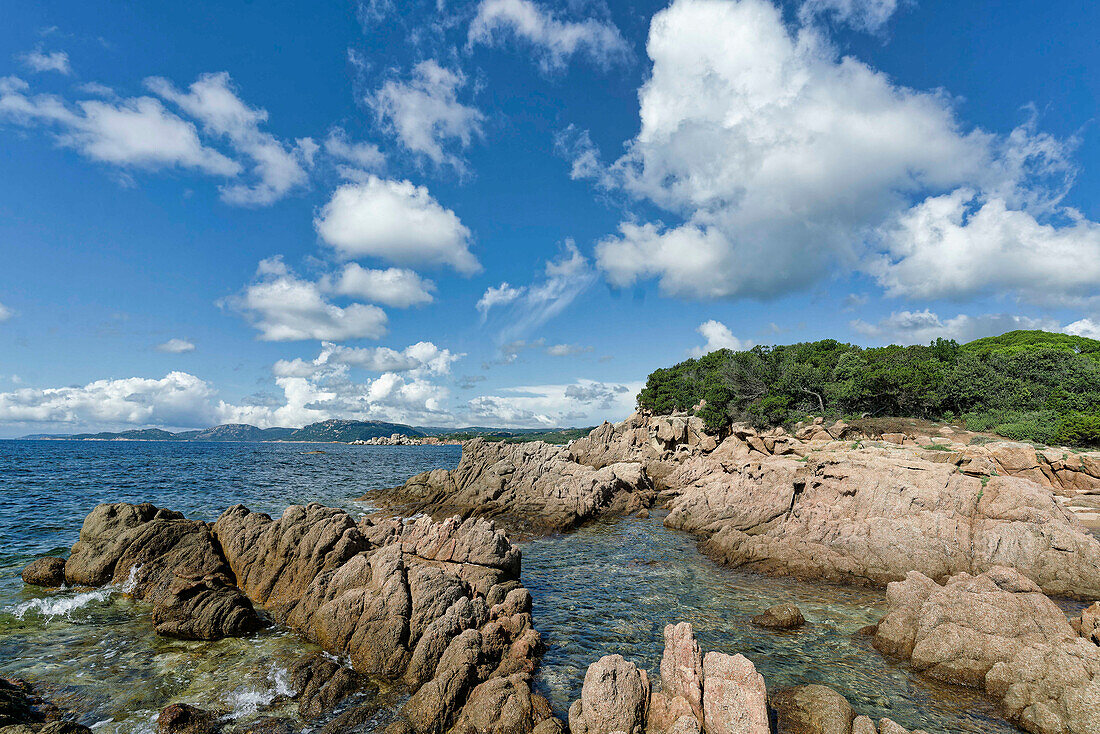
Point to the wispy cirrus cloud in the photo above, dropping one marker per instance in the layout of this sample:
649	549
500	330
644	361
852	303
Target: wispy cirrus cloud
554	40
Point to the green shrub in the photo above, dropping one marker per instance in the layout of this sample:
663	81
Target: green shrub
1080	429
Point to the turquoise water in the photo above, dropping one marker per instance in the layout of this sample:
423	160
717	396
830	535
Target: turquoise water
607	588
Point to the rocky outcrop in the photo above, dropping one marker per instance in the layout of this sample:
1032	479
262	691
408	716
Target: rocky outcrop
713	693
159	556
534	487
437	605
997	631
870	515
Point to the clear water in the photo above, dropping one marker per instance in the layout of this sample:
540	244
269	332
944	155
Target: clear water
607	588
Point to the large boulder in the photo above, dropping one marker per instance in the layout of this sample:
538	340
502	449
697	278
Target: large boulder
48	571
812	709
735	700
164	558
613	698
997	631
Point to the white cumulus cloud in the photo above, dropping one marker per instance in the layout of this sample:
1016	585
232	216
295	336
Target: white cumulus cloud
581	403
756	138
283	307
924	327
718	336
555	40
425	114
1084	327
5	313
394	221
137	132
176	346
397	287
497	295
277	167
178	399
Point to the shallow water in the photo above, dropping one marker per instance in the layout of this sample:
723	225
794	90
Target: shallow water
607	588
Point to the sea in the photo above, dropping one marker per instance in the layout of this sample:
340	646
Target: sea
609	587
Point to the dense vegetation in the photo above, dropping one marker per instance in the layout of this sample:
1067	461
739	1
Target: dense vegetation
1024	385
557	435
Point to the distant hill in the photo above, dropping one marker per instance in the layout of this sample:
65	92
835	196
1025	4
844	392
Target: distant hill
347	431
239	432
339	431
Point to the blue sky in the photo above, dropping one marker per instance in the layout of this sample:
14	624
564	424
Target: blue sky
508	212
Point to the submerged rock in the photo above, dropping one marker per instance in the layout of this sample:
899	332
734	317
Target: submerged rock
182	718
22	711
48	572
997	631
780	617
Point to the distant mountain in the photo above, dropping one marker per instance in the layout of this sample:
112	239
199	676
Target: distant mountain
339	431
239	432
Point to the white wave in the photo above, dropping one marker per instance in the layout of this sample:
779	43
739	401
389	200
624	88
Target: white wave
245	702
65	602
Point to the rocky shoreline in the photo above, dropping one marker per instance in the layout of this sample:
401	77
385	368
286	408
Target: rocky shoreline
970	539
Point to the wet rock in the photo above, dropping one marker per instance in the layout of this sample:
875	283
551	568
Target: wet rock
204	609
682	667
812	709
613	698
529	486
997	631
48	572
780	617
266	725
734	696
355	718
321	684
182	718
153	553
23	711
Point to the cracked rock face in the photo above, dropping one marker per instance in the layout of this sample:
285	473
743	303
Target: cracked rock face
530	486
872	516
435	604
164	558
997	631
